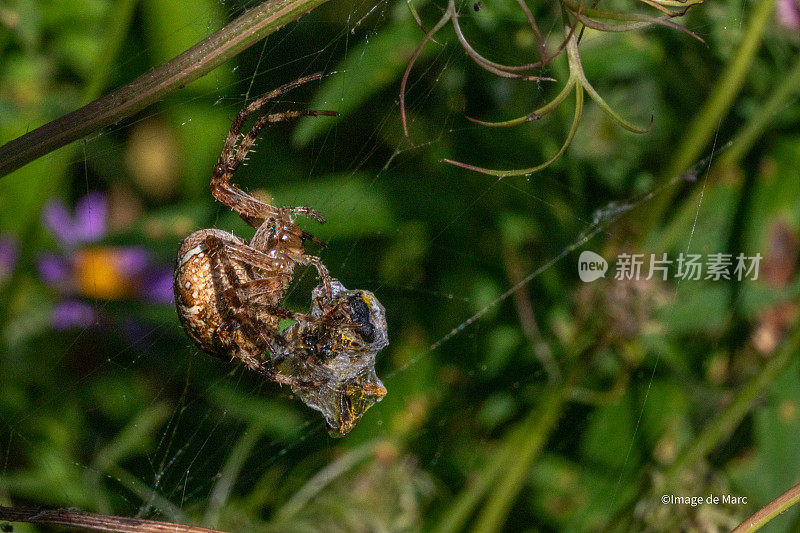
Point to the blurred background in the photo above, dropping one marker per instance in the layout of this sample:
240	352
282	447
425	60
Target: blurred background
558	405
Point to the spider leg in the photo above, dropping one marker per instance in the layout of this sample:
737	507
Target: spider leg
322	270
236	148
306	211
236	313
287	380
252	293
245	299
242	320
274	265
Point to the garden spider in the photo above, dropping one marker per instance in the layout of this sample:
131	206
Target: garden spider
228	293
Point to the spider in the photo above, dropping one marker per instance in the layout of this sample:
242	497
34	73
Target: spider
228	293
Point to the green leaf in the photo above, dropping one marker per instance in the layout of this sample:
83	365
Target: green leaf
610	435
352	204
776	465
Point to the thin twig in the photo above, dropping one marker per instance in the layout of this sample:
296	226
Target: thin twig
527	316
495	68
252	26
97	522
404	81
770	511
542	45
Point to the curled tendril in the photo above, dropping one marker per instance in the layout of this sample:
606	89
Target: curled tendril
525	171
542	45
663	6
428	36
577	80
577	18
628	21
506	71
417	18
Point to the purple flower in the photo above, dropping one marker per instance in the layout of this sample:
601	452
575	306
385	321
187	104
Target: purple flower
9	251
54	269
87	270
157	287
87	225
788	12
73	314
133	261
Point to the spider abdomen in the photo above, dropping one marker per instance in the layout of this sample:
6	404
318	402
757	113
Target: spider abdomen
204	309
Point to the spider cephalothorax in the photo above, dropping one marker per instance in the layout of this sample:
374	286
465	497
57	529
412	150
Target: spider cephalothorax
228	293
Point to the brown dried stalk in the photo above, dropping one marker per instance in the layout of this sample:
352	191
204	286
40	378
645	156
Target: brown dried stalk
93	521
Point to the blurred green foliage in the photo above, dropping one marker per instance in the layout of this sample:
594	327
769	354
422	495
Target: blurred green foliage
125	417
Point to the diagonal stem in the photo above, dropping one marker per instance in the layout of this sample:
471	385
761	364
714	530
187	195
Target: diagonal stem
249	28
93	521
770	511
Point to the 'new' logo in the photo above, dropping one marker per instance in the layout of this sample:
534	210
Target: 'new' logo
591	266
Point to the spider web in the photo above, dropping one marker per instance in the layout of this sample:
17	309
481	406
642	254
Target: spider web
202	454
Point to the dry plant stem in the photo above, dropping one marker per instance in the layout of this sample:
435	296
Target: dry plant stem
572	82
527	316
630	21
252	26
416	16
770	511
404	82
578	80
495	68
540	63
526	171
505	71
96	522
535	27
635	25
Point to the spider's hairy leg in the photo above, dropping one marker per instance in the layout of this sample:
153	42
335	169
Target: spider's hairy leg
255	105
265	293
306	211
237	312
305	236
241	319
247	141
237	146
309	212
286	380
278	264
322	270
253	292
